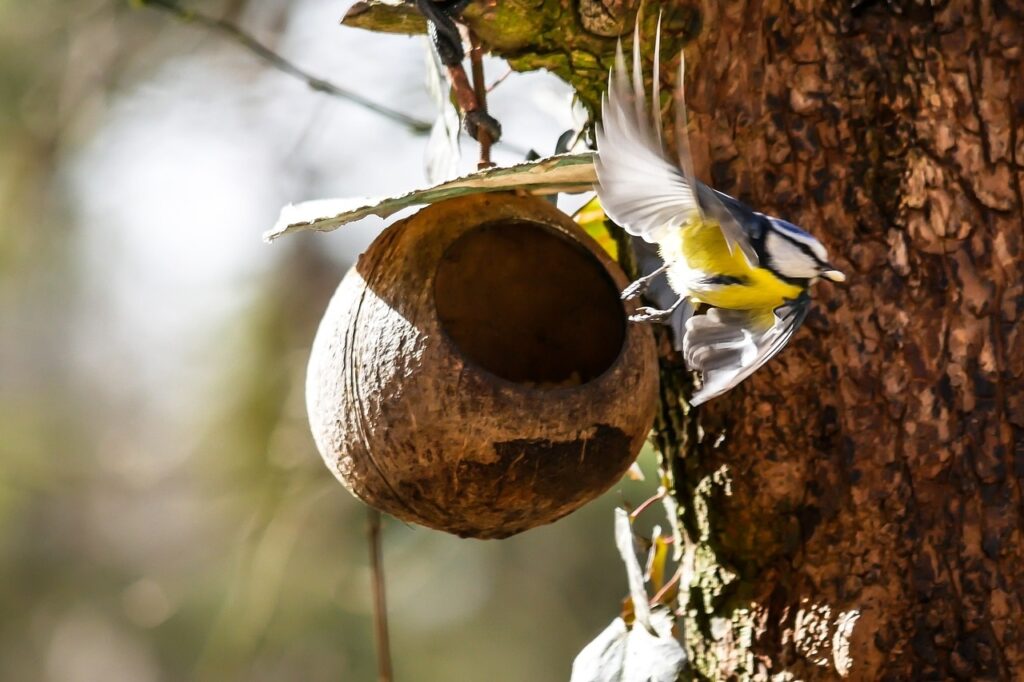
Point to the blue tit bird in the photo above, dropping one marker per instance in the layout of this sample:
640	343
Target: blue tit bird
753	270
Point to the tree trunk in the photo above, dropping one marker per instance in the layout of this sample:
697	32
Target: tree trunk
855	508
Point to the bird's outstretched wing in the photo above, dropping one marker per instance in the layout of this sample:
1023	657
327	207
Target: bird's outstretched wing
727	346
639	188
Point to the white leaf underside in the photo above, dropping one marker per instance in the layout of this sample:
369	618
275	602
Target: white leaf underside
647	651
549	175
634	573
624	654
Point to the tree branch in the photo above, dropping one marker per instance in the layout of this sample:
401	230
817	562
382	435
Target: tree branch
250	43
480	90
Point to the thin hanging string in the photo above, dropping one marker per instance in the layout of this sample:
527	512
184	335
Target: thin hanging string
380	609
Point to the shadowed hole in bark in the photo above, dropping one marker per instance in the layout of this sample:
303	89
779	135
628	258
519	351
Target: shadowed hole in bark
529	305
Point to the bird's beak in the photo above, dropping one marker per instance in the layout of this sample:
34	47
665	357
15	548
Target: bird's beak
834	275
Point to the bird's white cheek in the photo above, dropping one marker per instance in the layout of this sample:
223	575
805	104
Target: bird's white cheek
794	267
790	260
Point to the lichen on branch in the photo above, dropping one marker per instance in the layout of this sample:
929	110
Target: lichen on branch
575	42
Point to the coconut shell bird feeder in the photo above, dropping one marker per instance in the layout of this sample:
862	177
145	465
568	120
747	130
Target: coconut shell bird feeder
475	371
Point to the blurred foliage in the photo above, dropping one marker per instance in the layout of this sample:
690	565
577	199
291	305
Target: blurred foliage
591	218
165	515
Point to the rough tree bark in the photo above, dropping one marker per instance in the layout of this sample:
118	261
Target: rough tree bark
855	509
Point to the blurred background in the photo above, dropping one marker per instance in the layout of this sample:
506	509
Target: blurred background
163	512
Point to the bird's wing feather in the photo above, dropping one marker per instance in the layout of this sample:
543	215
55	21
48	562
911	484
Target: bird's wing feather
736	218
727	346
639	188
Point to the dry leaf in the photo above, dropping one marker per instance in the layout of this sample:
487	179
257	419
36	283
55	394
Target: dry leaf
552	174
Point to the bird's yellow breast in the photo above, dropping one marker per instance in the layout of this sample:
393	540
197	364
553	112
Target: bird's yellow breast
698	251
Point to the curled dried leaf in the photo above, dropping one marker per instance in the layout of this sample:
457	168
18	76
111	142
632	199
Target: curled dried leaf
623	654
549	175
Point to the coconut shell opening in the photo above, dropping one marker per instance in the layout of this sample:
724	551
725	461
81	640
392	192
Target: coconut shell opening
513	296
474	372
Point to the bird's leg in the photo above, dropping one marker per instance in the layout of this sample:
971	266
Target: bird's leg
445	37
642	284
646	314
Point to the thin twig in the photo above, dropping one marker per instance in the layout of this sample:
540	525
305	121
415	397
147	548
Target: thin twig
380	609
647	503
476	59
249	42
499	80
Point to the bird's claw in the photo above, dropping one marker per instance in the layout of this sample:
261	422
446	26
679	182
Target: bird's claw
635	289
648	314
641	285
